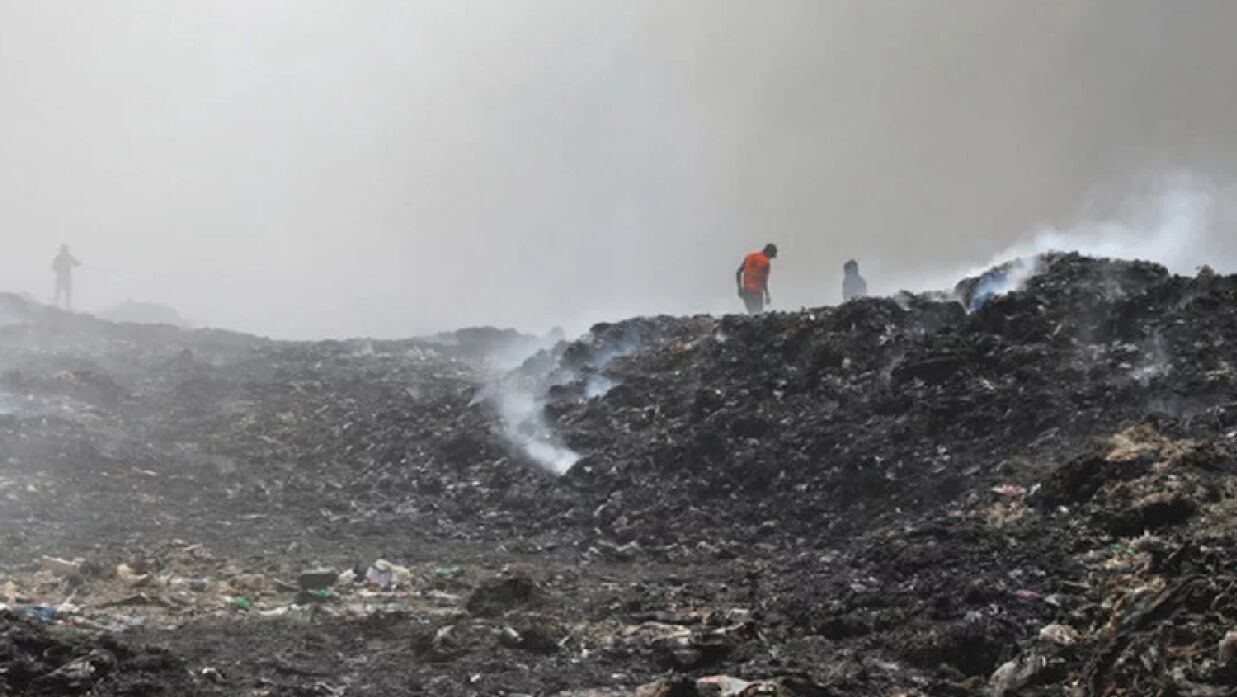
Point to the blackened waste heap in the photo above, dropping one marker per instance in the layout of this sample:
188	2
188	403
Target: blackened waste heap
895	496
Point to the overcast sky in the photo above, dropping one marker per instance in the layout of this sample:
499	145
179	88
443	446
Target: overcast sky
311	168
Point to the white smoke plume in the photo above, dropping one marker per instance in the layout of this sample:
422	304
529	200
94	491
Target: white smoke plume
522	415
1177	228
519	398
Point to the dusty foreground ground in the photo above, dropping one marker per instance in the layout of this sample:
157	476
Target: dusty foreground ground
895	497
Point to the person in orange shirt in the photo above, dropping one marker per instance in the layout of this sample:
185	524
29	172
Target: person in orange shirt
753	279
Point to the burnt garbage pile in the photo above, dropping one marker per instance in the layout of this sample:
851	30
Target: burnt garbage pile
1033	494
41	662
201	425
391	437
835	418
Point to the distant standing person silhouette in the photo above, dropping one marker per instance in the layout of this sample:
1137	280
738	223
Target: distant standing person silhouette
63	265
853	285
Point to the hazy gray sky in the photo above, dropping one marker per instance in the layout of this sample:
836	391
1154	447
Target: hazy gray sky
386	167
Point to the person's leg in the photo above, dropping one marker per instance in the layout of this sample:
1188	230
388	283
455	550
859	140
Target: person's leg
68	293
754	301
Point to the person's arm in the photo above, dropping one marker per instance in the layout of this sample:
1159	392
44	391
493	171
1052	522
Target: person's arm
765	284
738	279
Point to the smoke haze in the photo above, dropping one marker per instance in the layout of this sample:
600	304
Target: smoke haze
316	168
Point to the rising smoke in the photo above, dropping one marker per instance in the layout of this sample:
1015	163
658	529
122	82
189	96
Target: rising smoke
521	411
518	397
1177	228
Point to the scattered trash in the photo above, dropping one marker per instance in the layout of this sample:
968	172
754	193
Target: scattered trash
240	602
1059	634
378	580
1010	490
449	572
126	573
1228	649
198	585
40	612
442	596
317	579
722	686
1014	675
61	567
10	592
313	596
383	575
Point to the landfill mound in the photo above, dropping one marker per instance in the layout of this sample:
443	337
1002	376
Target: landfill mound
937	486
994	491
824	423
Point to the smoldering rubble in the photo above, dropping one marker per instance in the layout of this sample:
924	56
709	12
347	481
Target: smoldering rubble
1022	492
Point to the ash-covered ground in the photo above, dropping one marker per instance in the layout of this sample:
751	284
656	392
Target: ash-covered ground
892	497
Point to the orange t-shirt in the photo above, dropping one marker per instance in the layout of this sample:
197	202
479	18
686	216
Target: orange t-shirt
756	271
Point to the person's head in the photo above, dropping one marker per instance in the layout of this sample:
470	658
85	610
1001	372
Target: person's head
770	250
851	267
64	249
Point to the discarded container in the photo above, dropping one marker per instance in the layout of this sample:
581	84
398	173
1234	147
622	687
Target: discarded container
378	580
240	602
316	579
383	575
